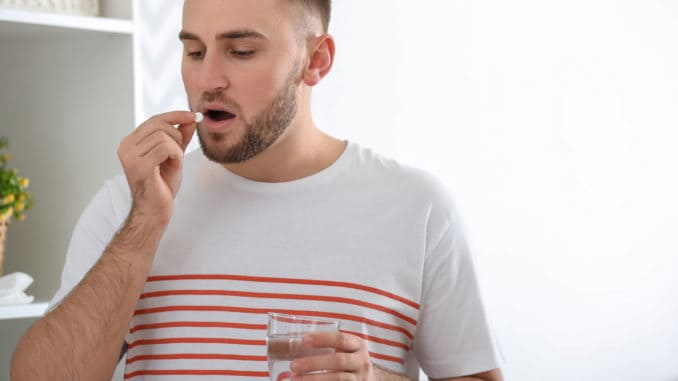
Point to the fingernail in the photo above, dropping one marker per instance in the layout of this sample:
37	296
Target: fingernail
199	117
294	366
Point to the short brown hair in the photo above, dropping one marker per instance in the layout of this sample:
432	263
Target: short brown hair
320	8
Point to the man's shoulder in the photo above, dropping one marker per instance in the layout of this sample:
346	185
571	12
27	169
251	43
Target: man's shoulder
389	173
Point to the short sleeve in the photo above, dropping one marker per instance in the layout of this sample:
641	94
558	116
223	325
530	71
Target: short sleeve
95	228
453	335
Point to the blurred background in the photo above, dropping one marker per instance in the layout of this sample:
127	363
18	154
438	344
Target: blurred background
554	124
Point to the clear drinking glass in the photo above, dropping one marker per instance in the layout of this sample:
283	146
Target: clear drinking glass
284	341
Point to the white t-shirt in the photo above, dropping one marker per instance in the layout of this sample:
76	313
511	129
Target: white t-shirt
366	241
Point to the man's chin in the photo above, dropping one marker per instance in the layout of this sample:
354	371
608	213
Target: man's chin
215	146
219	149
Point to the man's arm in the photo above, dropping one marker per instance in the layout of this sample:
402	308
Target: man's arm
82	337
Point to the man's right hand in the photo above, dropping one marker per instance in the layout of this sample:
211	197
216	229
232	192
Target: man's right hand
152	157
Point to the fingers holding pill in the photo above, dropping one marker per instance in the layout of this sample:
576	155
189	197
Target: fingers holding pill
187	131
152	158
141	140
185	122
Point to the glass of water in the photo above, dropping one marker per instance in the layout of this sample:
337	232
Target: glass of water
284	341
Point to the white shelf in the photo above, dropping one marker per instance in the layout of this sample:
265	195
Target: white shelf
20	311
19	23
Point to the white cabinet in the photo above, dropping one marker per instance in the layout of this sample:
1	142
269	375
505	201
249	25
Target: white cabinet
67	98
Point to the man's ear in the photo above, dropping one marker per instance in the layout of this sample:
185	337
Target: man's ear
321	60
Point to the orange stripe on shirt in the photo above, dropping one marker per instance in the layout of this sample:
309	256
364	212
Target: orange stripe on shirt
195	340
315	282
270	295
387	358
197	324
195	356
283	311
196	372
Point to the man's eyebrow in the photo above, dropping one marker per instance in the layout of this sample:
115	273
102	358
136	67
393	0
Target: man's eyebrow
242	33
184	35
234	34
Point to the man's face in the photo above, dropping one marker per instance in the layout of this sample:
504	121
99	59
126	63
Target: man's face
241	70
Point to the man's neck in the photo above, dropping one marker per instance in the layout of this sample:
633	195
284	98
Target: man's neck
298	153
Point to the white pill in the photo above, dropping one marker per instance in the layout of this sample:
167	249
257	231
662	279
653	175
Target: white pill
199	117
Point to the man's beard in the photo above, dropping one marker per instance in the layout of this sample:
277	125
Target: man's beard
264	129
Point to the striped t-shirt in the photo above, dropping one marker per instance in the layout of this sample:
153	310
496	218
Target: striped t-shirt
215	324
367	241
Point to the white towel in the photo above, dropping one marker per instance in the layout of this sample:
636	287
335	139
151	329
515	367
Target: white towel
12	287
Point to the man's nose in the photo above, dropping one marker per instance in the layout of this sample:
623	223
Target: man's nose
213	72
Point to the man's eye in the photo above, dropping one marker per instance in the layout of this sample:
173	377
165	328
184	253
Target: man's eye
242	53
194	54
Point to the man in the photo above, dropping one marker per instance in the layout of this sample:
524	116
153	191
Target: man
273	216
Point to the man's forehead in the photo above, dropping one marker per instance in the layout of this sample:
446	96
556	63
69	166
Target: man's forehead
229	9
231	18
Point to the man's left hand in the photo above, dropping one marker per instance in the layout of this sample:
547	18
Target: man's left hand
350	360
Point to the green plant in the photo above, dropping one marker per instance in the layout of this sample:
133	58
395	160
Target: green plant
14	197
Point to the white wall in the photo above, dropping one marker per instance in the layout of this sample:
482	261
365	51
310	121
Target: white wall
555	125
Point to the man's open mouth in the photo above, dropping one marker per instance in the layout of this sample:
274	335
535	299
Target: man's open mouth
219	115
